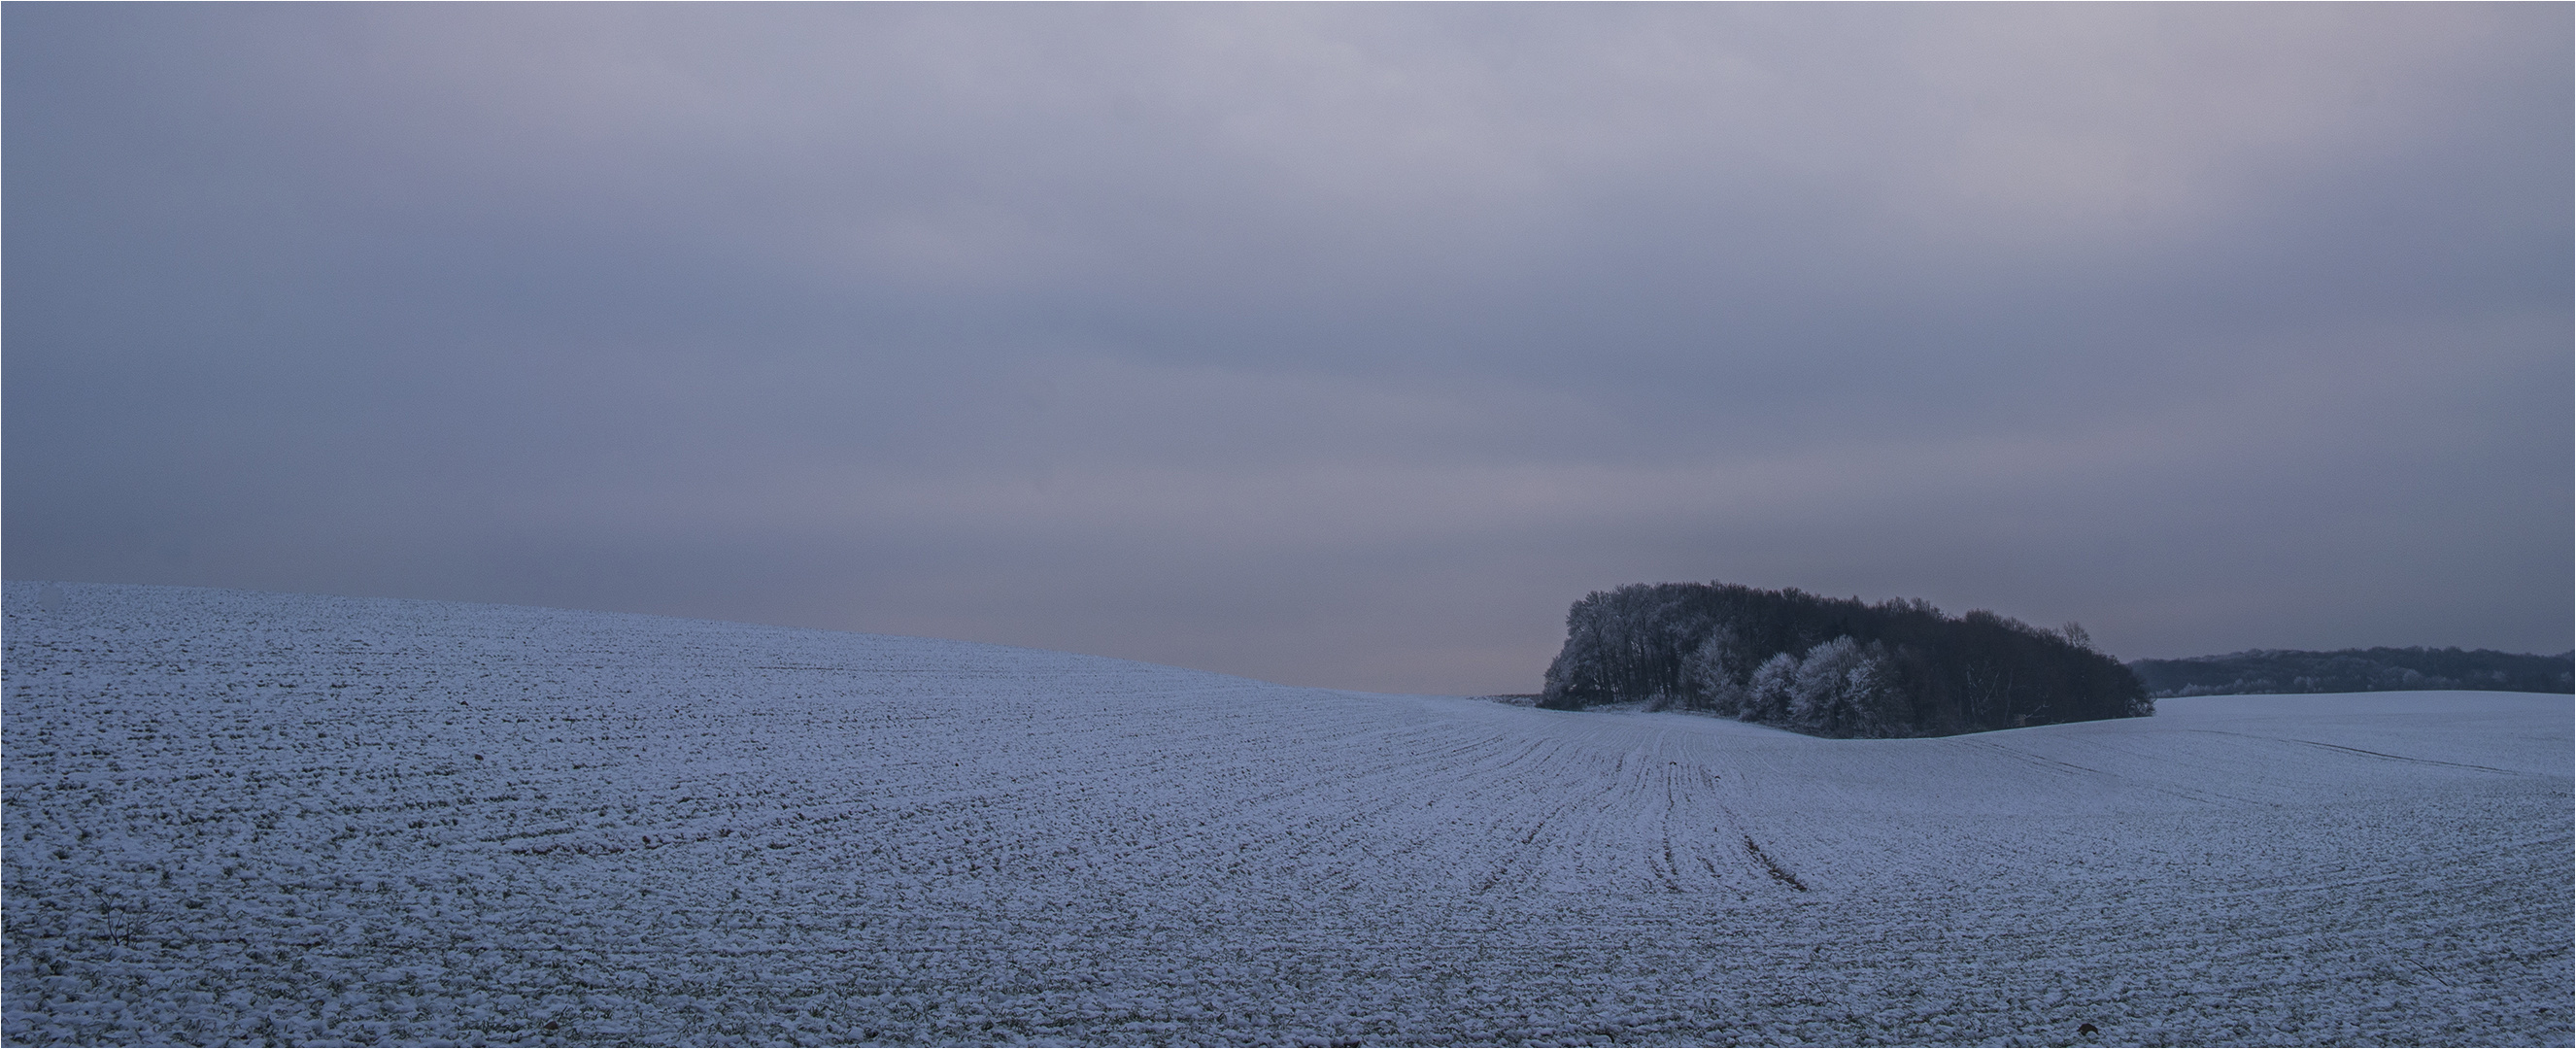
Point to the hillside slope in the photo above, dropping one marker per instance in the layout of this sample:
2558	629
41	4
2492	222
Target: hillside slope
240	817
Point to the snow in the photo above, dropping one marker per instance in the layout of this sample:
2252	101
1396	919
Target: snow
240	818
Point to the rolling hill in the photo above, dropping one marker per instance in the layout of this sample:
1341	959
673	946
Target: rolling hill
237	817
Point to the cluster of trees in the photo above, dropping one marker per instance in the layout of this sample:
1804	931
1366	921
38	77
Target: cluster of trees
1831	666
2356	670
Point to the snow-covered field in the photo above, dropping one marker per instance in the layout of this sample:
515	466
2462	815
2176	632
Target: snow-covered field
241	818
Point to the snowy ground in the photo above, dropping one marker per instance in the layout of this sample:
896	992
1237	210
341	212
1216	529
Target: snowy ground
236	817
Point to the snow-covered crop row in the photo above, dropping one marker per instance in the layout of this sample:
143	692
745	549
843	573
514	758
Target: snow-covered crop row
242	818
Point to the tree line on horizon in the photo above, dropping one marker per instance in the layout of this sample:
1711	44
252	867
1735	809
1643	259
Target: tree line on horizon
1831	666
2273	671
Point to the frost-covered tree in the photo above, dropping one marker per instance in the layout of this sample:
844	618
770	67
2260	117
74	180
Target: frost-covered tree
1580	674
1773	686
1816	688
1626	644
1877	697
1898	667
1817	684
1845	688
1715	672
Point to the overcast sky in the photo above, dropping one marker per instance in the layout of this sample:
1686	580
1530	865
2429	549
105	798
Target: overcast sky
1332	345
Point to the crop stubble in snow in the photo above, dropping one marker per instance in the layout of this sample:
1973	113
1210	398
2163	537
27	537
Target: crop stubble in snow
240	817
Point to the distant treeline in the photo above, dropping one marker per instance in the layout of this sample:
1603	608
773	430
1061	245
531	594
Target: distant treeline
2356	670
1831	666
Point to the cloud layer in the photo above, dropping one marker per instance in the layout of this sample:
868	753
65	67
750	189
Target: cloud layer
1338	346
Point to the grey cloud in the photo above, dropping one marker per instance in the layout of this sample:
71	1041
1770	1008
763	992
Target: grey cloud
1337	345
